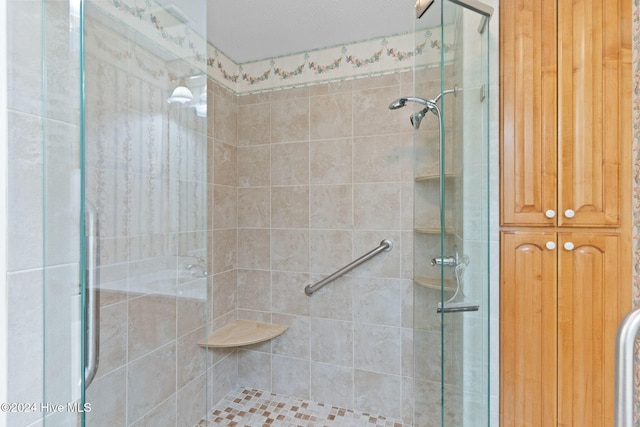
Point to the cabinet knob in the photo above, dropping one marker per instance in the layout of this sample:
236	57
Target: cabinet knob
569	213
551	245
550	213
569	246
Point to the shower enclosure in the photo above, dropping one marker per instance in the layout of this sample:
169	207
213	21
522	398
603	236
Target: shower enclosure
183	186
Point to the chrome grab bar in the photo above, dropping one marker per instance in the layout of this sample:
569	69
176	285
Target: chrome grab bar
92	296
625	343
385	246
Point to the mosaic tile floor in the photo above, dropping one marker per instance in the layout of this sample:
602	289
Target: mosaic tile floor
255	408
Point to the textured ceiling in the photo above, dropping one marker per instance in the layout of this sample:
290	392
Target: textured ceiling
248	30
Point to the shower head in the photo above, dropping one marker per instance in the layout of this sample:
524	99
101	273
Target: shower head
401	102
430	105
416	118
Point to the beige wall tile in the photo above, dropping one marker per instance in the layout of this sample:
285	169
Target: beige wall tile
377	206
225	169
377	348
290	120
377	301
374	116
225	250
152	324
192	402
254	166
378	393
291	376
224	293
295	341
290	164
332	342
330	161
225	207
147	389
288	293
254	290
329	250
377	159
191	358
108	408
331	206
254	124
254	207
330	116
331	384
290	207
254	248
290	250
254	370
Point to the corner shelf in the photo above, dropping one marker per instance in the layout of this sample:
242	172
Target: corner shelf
242	332
430	283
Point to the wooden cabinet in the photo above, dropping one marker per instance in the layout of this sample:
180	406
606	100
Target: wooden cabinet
528	335
565	208
561	300
591	302
565	111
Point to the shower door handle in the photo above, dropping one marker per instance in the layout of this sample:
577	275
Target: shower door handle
92	296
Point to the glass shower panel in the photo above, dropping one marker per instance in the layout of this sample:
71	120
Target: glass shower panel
61	402
110	134
451	341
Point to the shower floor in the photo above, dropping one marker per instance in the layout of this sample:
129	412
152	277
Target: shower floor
256	408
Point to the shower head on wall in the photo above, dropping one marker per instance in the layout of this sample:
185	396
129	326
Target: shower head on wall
430	105
416	118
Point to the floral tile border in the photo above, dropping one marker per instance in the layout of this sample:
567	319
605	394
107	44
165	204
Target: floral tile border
367	58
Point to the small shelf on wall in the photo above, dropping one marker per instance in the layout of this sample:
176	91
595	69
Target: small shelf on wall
431	283
433	177
242	332
433	230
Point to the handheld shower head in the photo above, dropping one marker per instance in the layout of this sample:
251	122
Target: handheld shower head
416	118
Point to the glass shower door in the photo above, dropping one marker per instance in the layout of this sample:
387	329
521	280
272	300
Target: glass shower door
451	296
124	214
62	397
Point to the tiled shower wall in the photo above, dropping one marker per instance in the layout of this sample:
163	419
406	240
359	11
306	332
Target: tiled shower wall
322	175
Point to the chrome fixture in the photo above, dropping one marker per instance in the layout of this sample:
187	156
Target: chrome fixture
385	246
459	264
92	294
624	374
430	105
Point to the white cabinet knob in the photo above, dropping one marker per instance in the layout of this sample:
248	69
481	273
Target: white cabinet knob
550	213
569	213
551	245
569	246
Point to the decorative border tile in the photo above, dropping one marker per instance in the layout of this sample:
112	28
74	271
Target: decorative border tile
368	58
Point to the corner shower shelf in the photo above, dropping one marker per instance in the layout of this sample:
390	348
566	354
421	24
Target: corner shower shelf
431	283
242	332
432	177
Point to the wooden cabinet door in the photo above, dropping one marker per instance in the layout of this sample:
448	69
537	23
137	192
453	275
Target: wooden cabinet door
594	109
592	299
528	339
528	110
